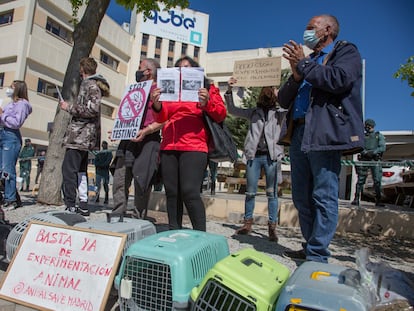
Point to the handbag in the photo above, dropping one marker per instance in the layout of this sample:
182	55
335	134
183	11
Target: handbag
221	145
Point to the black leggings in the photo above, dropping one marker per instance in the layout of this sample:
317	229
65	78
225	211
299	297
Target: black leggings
182	175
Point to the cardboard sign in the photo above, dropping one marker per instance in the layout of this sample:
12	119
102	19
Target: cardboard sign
63	268
258	72
131	111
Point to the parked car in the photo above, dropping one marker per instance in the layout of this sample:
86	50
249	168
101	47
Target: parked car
391	173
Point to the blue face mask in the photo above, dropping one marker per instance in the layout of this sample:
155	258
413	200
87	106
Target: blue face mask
310	39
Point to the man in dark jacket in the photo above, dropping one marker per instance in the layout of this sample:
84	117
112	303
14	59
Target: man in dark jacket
83	135
25	161
324	97
373	150
102	161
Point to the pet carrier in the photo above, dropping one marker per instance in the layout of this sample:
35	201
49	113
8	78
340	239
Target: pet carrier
54	217
247	280
320	286
136	229
158	272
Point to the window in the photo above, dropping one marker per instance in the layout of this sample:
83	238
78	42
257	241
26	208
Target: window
109	60
196	52
171	46
58	30
47	88
170	62
184	49
1	79
106	110
157	57
145	39
143	55
6	18
158	43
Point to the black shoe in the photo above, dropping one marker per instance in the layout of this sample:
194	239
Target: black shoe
83	211
71	209
299	255
106	202
379	204
9	206
355	202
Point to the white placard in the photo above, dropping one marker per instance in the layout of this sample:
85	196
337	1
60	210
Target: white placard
131	111
62	268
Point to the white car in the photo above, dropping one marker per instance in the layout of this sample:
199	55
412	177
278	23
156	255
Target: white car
391	173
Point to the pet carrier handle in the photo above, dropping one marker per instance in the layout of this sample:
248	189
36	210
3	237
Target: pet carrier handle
316	274
110	215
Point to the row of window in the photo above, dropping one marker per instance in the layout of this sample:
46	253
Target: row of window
49	89
171	46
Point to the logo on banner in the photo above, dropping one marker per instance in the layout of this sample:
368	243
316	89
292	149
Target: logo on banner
132	105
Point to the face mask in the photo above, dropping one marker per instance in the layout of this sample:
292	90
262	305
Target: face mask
9	92
310	39
139	75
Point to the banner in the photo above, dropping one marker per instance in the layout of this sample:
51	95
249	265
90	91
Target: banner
258	72
131	111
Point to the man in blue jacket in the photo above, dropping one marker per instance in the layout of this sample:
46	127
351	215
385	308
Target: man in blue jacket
324	98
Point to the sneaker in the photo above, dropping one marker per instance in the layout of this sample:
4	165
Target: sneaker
298	255
71	209
9	206
83	211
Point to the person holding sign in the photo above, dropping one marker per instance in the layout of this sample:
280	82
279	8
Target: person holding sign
137	158
261	151
184	148
82	135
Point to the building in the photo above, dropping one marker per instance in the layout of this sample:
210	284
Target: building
39	43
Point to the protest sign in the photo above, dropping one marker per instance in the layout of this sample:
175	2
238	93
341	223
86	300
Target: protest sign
131	111
63	268
258	72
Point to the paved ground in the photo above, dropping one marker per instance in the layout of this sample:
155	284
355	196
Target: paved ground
398	253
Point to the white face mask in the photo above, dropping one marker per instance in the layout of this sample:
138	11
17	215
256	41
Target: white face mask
310	39
9	92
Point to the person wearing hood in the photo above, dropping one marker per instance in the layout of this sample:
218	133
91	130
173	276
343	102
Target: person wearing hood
82	135
12	118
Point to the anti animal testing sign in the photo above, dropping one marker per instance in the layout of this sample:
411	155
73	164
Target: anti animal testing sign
61	268
131	111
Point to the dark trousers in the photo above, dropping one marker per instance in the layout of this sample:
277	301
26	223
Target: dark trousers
75	165
182	174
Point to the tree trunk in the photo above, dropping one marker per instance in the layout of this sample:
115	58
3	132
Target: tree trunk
84	35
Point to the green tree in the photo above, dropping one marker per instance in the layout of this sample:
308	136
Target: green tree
84	35
406	73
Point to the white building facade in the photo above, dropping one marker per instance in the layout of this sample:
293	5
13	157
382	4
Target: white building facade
37	43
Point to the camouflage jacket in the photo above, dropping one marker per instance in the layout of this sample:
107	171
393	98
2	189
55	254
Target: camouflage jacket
84	130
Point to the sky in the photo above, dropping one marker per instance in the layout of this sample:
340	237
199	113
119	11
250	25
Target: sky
383	31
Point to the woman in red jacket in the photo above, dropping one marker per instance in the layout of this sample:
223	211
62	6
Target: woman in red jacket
184	148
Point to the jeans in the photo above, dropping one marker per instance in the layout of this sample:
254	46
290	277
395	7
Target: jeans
10	144
315	186
253	169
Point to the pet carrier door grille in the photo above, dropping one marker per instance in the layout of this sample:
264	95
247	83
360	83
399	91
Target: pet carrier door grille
217	297
151	285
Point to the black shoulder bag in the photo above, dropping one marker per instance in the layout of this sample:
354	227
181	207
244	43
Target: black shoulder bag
221	144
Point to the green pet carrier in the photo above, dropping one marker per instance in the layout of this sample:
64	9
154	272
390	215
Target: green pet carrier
158	272
247	280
